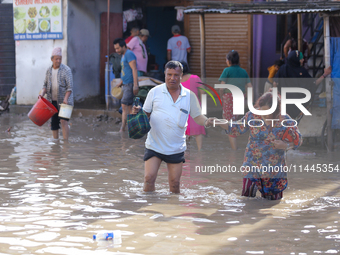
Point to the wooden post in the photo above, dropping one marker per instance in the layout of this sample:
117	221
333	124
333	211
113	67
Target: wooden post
328	82
202	44
250	45
107	67
299	27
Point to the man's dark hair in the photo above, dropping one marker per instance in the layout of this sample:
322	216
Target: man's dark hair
172	64
279	62
119	41
233	57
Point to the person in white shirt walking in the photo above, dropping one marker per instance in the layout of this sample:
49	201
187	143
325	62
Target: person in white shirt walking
178	46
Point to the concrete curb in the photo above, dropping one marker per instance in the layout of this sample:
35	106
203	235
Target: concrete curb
77	112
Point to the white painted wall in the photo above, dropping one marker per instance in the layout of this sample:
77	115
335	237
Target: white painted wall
81	44
32	60
84	30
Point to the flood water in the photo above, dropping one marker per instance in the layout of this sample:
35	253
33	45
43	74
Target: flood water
55	195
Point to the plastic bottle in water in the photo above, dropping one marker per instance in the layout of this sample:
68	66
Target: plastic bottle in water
114	236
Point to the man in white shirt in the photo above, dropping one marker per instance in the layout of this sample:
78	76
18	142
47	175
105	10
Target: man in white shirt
178	46
168	107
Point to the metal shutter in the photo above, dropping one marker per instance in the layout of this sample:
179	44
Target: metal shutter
223	32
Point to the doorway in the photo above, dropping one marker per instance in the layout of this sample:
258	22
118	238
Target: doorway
159	22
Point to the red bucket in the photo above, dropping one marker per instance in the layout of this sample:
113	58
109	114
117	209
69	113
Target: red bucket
42	111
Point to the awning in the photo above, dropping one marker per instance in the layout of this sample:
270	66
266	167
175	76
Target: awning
277	8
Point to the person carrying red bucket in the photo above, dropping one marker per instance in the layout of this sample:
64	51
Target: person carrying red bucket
58	86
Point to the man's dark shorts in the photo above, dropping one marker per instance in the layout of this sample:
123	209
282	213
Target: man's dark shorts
55	124
128	96
172	159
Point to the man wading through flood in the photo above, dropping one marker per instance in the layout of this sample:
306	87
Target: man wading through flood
168	107
58	86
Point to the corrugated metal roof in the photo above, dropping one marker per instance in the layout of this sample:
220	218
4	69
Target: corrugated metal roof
256	11
199	10
296	11
264	7
277	12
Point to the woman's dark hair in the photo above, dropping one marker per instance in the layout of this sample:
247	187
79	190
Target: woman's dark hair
119	41
267	99
185	67
172	64
233	57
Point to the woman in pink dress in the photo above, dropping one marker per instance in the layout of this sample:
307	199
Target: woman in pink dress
190	81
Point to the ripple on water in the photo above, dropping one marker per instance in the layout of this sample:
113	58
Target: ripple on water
56	195
44	237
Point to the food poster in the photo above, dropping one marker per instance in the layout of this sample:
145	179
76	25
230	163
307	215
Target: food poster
37	19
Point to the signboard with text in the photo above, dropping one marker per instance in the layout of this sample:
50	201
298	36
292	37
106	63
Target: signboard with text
37	19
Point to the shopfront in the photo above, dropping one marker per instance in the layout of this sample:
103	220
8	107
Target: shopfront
223	33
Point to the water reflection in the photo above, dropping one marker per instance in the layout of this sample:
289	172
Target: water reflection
56	195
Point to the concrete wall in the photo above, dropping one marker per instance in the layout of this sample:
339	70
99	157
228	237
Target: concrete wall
84	44
32	60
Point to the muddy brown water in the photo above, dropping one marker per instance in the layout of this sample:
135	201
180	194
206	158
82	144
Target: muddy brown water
55	195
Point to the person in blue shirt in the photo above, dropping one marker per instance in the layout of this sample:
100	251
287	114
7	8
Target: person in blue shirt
129	78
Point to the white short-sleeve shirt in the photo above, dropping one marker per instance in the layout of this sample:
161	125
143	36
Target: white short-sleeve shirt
178	45
166	135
